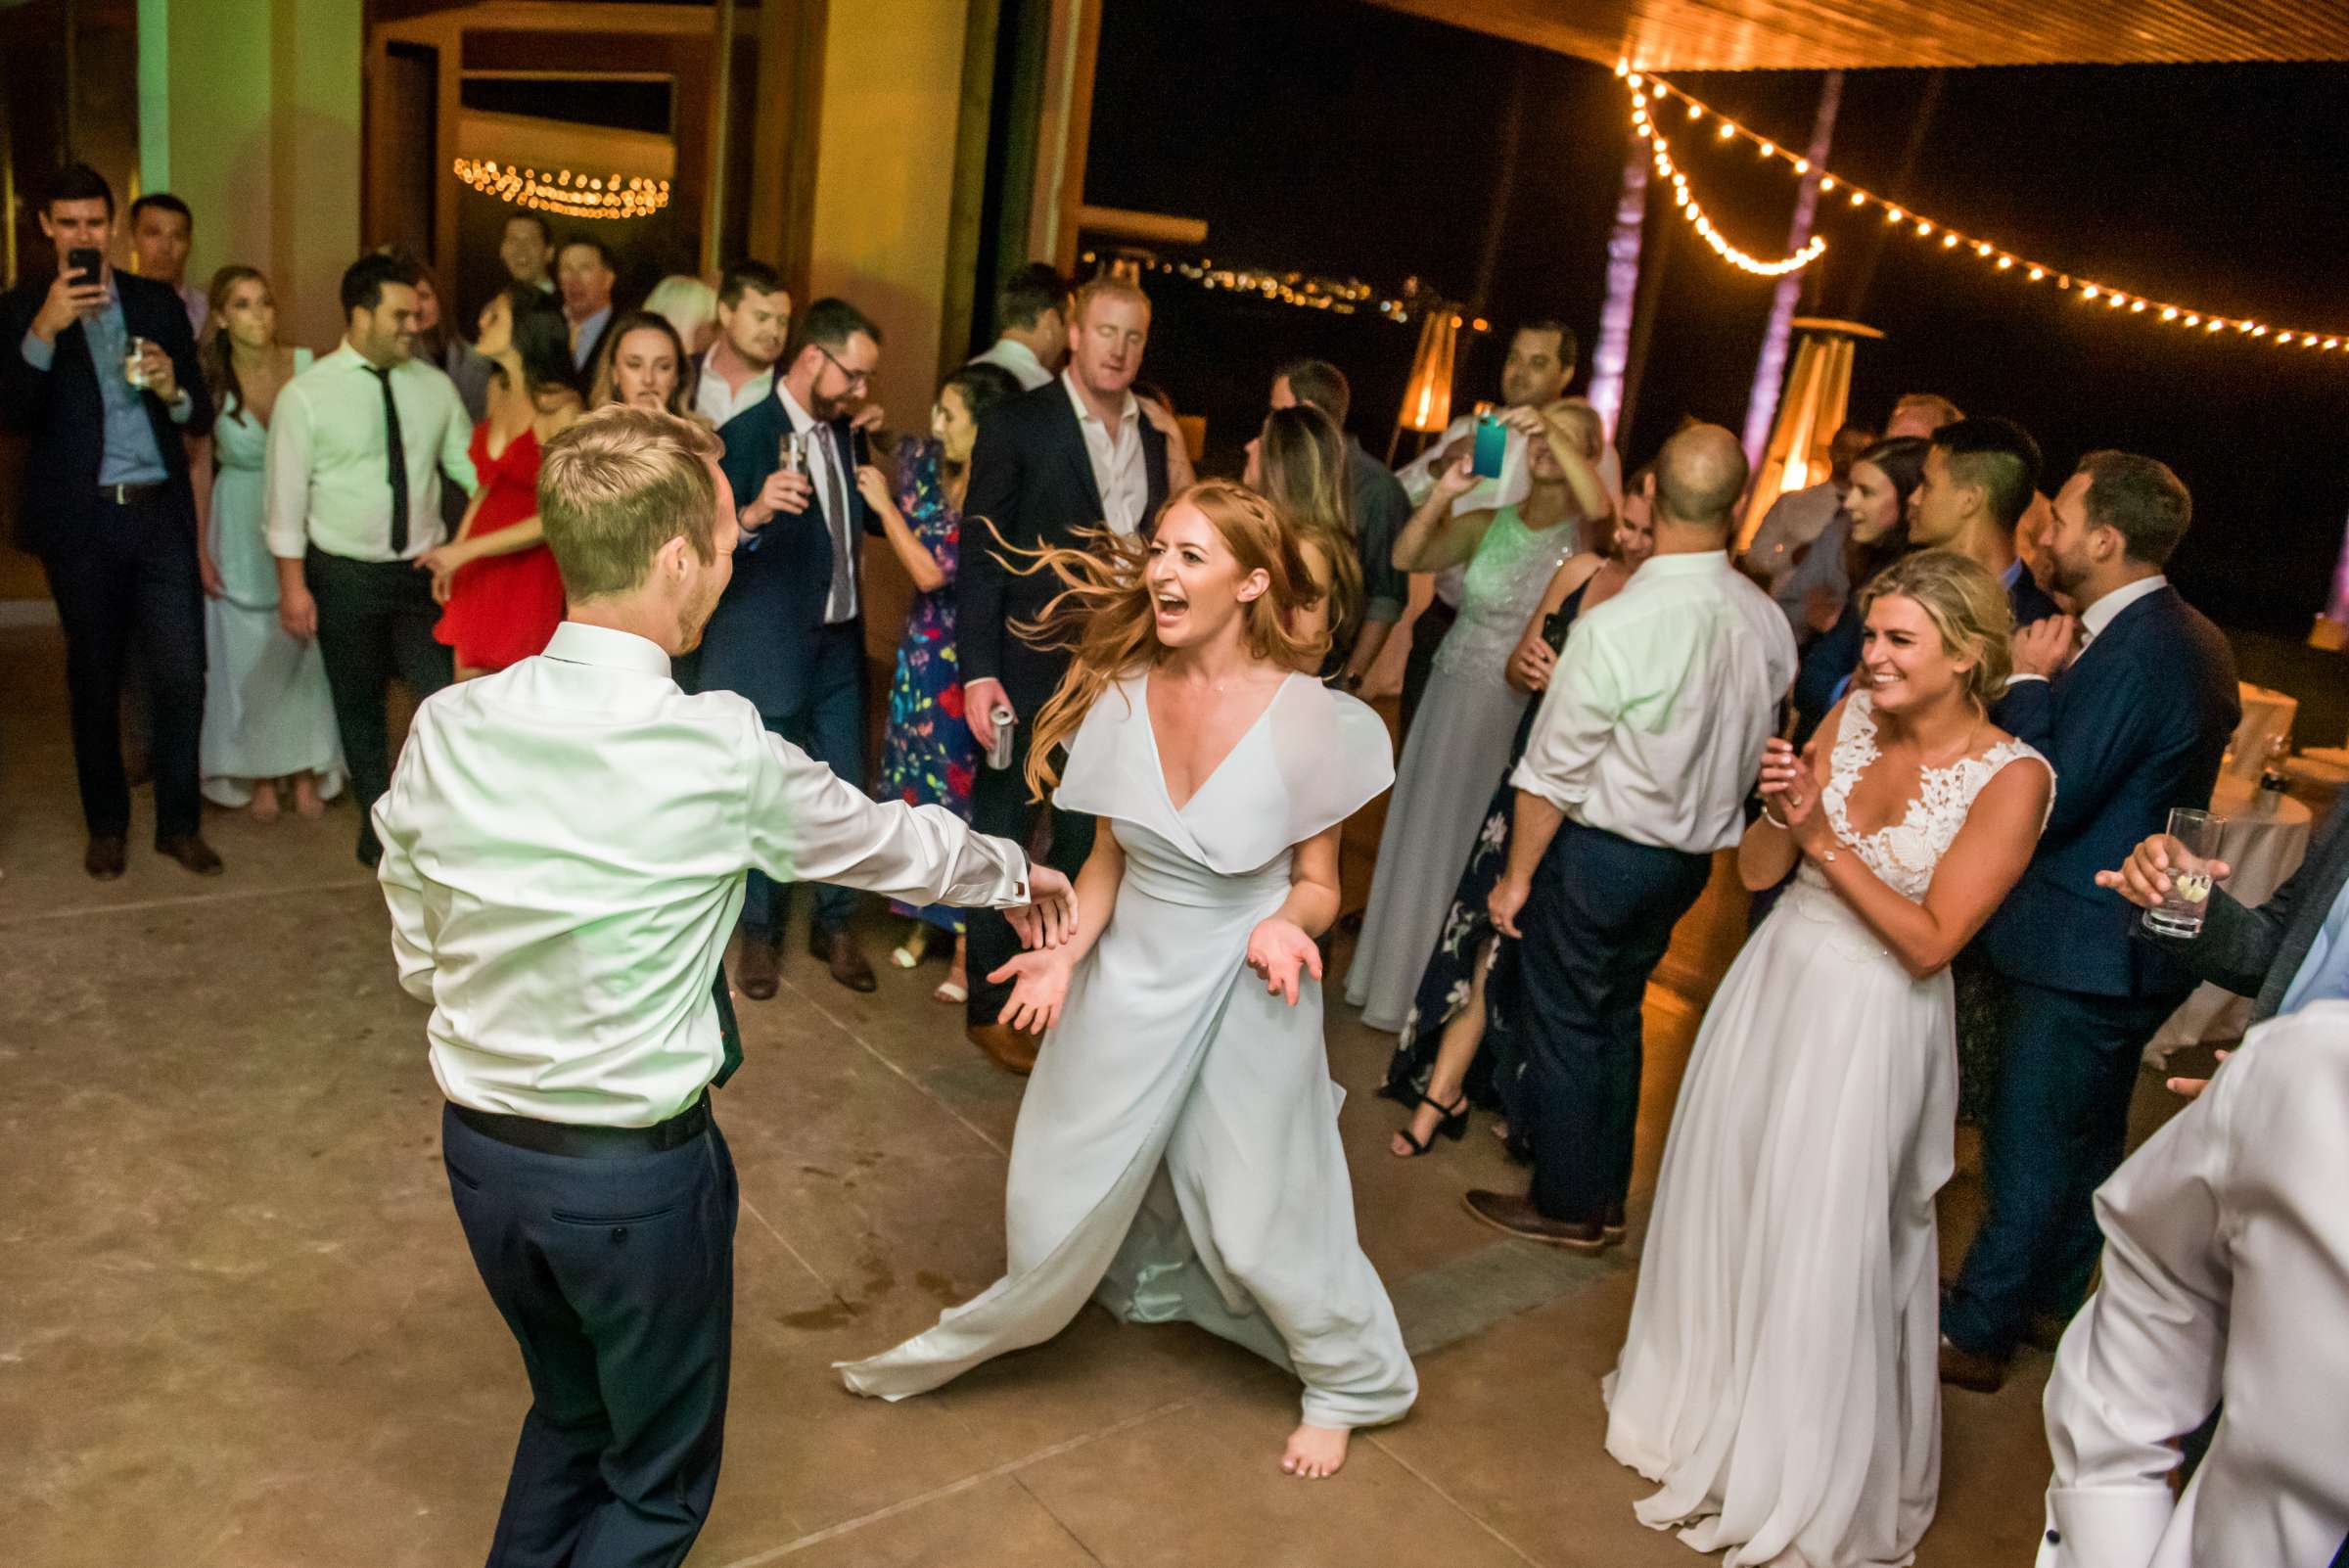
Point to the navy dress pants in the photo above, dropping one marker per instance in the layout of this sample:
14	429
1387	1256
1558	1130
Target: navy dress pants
2059	1124
828	726
1596	923
617	1278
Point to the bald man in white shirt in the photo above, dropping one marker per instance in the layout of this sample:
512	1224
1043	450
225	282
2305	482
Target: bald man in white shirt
1635	772
2227	1245
564	846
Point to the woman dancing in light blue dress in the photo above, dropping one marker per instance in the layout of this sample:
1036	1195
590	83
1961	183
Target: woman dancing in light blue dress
1177	1156
267	714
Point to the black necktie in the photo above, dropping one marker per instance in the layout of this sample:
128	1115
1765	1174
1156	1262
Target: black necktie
398	459
729	1033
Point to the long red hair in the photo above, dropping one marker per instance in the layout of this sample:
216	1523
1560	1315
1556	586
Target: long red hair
1104	616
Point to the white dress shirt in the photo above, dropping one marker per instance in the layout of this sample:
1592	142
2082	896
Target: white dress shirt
1119	472
1018	358
1654	724
329	479
564	850
1418	477
718	402
828	471
2226	1277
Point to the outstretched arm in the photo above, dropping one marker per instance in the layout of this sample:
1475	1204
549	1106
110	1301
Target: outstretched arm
1040	979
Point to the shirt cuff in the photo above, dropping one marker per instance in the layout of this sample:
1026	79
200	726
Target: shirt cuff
180	408
1011	889
38	352
2104	1527
1565	797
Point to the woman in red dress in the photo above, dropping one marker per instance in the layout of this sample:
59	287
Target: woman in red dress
496	581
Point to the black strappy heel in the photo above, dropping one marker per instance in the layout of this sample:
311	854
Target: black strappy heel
1454	1125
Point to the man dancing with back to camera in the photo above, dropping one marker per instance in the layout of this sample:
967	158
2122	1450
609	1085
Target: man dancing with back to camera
564	846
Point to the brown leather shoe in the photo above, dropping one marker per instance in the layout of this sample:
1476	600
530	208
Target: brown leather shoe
1971	1370
1516	1215
843	957
191	851
755	971
1011	1049
103	859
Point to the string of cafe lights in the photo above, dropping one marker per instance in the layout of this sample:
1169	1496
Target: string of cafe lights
1341	296
1648	94
1693	210
564	192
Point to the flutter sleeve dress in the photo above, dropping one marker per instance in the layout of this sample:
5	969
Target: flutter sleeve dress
1177	1155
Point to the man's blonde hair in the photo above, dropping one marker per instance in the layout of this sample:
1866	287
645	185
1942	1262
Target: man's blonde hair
616	486
1106	286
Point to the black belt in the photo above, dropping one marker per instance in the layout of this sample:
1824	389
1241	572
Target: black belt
131	495
587	1143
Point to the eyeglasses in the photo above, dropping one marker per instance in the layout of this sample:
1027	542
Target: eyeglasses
855	378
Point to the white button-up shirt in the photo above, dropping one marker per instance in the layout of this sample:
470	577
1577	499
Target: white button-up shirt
2227	1248
328	481
718	402
564	850
1654	724
828	472
2097	616
1018	358
1119	472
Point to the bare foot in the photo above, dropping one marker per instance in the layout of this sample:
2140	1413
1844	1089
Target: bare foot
264	800
1315	1453
306	799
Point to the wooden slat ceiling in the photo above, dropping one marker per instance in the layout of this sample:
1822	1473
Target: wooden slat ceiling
1817	34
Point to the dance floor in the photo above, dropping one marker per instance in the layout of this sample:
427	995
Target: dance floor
240	1327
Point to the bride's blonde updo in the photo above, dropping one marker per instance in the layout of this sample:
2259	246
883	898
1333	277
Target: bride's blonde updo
1103	613
1967	606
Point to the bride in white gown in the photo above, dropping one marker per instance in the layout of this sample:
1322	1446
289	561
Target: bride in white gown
1779	1378
1177	1155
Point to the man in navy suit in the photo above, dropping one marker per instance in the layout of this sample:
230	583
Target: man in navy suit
2134	724
1082	452
108	511
789	634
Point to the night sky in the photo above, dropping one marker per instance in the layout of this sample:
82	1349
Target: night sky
1333	136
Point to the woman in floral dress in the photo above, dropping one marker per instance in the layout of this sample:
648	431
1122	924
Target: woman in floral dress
930	756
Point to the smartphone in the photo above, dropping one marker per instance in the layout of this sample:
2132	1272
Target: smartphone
860	448
82	263
1491	443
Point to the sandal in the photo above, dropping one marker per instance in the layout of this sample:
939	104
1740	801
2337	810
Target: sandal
1454	1125
910	953
951	991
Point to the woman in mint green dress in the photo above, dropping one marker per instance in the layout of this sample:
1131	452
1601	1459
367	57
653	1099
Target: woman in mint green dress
267	716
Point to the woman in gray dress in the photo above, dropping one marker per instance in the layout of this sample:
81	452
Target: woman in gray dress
1460	739
1178	1155
267	715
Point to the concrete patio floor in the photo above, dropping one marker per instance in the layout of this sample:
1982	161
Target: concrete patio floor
239	1326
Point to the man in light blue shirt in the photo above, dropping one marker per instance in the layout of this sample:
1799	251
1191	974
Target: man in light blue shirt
106	507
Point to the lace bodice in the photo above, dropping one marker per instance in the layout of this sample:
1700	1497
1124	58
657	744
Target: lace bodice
1906	851
1506	578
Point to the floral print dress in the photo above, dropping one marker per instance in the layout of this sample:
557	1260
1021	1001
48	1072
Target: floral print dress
929	755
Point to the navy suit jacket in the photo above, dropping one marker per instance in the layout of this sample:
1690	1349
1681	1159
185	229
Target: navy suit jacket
1032	477
61	409
2133	726
761	640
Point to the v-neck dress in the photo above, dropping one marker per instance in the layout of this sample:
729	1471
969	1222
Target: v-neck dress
1177	1155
